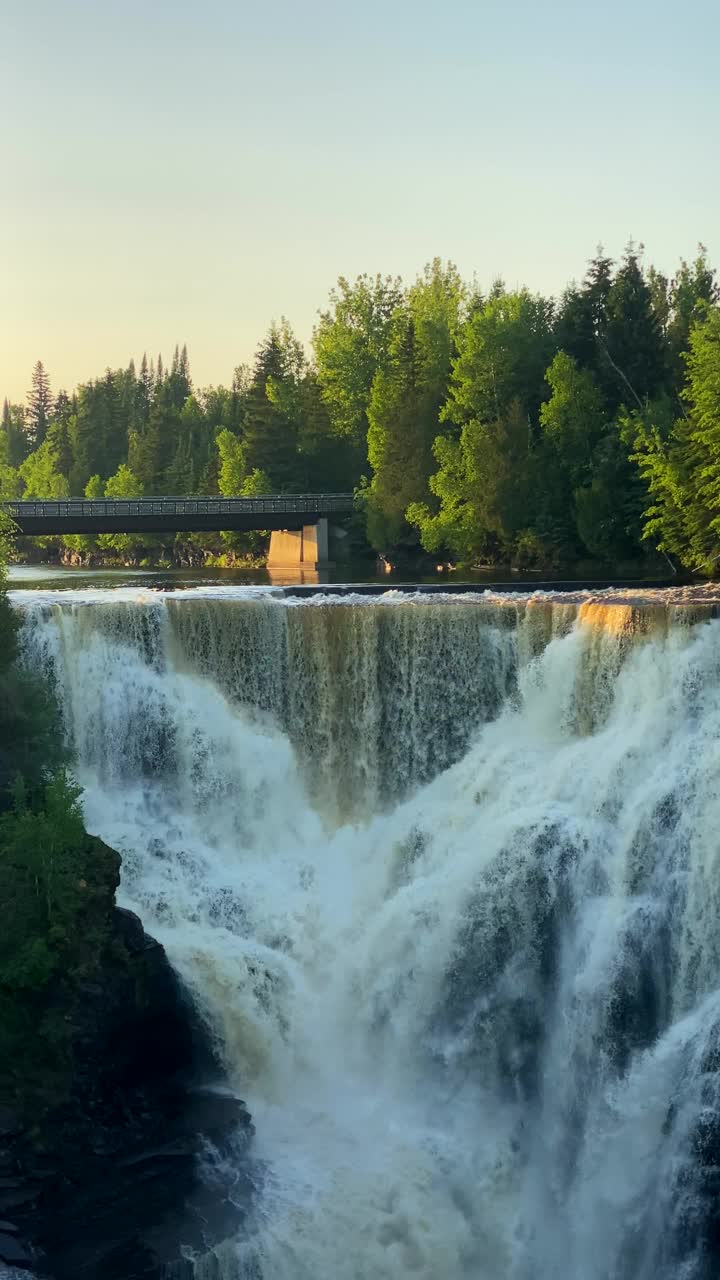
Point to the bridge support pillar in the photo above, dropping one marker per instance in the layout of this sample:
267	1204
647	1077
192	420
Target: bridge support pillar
307	548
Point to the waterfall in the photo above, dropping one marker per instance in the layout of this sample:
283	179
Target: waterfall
443	877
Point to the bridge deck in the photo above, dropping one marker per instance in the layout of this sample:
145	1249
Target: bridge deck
175	515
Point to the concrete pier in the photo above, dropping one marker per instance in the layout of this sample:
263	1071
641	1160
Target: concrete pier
306	549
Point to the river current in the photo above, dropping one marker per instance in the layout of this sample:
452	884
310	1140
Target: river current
442	875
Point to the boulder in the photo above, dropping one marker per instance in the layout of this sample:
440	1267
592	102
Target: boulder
107	1183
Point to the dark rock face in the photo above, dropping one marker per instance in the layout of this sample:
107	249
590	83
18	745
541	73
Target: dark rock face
108	1184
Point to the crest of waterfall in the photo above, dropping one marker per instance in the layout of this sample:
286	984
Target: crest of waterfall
443	877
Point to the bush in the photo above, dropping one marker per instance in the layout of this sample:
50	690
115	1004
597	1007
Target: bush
32	744
57	886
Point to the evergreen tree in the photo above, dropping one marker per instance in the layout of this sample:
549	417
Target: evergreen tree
271	428
582	318
98	429
408	393
13	433
151	452
495	423
325	459
63	408
59	437
632	342
40	405
692	292
178	380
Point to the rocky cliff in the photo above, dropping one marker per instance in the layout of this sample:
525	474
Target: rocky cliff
111	1110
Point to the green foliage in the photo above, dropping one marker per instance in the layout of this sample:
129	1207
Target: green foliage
573	419
483	487
502	424
42	870
677	455
632	340
692	294
41	474
31	737
351	343
504	351
123	484
58	886
8	620
14	442
233	467
406	398
11	483
272	410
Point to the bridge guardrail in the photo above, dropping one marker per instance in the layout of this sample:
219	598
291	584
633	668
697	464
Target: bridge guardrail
97	508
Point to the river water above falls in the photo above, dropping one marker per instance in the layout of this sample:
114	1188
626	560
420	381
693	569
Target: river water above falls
443	877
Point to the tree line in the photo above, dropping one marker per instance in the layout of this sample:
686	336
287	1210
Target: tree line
474	426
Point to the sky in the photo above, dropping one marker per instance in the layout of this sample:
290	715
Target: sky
192	172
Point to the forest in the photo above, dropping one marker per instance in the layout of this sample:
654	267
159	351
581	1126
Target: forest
474	427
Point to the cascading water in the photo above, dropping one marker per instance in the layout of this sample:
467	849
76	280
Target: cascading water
443	876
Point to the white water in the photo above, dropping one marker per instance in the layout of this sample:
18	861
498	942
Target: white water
443	879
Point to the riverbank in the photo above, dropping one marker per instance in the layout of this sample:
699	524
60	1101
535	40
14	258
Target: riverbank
82	552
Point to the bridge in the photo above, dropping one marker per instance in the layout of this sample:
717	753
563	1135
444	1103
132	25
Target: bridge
298	522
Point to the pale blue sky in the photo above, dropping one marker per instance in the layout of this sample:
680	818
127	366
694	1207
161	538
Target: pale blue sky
190	172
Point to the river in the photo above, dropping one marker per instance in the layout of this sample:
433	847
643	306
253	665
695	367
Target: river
441	874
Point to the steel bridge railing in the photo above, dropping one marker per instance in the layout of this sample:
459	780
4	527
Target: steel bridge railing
317	504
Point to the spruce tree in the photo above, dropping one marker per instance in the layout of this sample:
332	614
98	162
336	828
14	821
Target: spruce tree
692	293
15	435
178	379
270	435
582	317
40	405
632	342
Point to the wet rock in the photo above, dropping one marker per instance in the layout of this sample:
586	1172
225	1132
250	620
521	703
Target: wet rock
13	1252
108	1183
18	1198
10	1122
130	928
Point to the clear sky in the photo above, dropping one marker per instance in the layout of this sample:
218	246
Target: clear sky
192	171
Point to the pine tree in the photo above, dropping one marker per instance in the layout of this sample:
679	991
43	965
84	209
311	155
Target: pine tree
15	436
632	342
63	407
582	319
692	292
151	453
598	283
143	395
40	404
270	436
178	379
